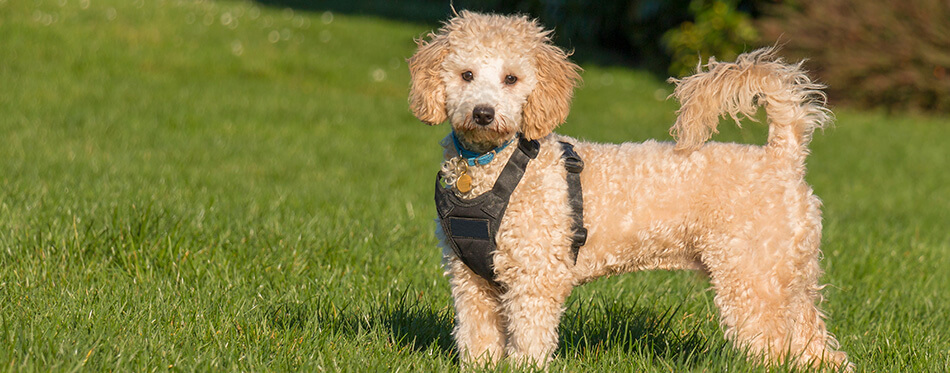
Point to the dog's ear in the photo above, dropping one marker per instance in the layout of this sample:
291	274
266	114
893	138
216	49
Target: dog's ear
427	93
550	102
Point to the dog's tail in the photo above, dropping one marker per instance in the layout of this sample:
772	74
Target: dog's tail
794	104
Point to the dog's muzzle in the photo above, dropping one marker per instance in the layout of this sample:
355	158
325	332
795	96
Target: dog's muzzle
483	115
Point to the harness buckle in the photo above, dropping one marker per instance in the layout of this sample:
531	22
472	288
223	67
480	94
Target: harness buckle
580	237
573	164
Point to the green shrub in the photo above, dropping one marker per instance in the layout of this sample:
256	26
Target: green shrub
894	54
718	29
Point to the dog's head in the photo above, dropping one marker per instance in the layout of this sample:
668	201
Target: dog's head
492	76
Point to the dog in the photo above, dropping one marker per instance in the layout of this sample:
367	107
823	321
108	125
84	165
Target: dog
741	214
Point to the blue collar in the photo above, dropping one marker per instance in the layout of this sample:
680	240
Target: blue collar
475	159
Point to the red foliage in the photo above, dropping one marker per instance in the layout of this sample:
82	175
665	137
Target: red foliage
894	54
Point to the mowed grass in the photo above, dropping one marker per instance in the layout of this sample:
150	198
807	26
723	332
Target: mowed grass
197	185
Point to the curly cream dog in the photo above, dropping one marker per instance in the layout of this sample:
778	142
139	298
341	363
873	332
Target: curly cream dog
741	214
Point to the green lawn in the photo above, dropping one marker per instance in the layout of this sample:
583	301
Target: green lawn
197	185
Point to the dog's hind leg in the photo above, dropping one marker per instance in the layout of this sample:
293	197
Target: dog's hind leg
767	293
479	328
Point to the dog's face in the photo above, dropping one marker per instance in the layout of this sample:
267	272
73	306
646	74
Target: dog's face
485	93
492	76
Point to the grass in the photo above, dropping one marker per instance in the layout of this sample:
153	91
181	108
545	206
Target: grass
198	185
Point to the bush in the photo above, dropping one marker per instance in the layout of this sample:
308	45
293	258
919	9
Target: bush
650	33
894	54
718	29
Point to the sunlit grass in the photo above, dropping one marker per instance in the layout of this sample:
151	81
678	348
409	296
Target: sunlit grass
202	185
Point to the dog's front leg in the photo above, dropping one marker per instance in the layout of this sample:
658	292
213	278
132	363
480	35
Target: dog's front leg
479	328
533	307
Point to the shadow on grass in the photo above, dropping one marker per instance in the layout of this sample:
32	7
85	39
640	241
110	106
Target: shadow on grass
600	325
425	11
404	319
586	330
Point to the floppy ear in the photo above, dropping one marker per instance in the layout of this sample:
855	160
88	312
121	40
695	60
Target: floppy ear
427	93
550	102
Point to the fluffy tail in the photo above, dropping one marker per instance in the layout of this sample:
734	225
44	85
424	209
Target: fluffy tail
794	104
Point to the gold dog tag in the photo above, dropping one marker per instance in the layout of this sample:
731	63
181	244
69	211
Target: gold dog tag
464	183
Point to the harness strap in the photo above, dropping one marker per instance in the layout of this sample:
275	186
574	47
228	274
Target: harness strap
470	225
575	196
513	172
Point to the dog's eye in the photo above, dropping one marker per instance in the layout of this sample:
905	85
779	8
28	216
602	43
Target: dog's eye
468	76
511	79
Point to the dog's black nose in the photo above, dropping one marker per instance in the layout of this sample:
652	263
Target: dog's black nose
483	115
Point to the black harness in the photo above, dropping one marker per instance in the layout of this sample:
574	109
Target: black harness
470	225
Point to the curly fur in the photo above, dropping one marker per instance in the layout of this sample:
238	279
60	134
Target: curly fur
741	214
